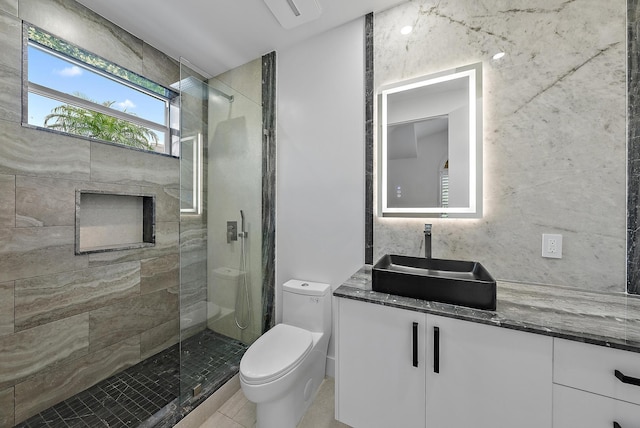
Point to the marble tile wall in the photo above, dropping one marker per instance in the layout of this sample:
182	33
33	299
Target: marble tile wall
8	207
67	321
7	405
114	323
50	345
269	63
369	146
44	299
32	152
633	149
7	317
10	6
158	338
554	133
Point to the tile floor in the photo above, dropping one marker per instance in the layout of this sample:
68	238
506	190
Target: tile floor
238	412
130	397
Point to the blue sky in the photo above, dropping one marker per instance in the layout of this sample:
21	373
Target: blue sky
53	72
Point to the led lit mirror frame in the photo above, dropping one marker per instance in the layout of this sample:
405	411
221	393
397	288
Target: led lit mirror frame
191	175
473	76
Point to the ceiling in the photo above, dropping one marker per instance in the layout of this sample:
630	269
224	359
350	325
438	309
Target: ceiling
218	35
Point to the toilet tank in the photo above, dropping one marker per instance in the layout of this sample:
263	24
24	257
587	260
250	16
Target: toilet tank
307	305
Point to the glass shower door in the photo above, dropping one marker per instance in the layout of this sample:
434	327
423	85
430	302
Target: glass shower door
220	227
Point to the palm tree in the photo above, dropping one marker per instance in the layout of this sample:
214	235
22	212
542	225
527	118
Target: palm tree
88	123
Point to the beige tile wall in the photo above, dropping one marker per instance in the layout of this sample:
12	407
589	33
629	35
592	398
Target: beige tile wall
8	206
193	228
6	404
67	321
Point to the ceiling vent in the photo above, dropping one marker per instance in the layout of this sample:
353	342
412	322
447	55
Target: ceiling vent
291	13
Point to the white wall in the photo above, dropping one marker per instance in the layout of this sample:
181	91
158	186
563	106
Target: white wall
320	159
418	177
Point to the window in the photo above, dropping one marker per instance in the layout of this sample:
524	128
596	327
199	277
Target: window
73	91
444	185
444	188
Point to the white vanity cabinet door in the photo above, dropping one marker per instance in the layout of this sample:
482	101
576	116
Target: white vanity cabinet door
377	384
489	377
573	408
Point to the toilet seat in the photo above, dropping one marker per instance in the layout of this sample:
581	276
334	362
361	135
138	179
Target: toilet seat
275	354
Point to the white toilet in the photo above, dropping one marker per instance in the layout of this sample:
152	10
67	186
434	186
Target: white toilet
282	370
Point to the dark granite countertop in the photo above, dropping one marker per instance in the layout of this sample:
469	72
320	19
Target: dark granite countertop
606	319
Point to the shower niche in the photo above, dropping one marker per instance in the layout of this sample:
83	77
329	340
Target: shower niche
113	221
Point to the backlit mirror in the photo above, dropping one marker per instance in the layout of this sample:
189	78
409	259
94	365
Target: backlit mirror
431	145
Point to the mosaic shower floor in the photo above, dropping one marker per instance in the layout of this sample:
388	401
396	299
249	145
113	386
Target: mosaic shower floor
140	395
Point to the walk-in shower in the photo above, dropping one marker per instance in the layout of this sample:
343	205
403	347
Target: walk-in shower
162	369
226	273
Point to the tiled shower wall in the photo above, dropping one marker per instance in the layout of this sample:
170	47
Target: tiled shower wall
633	148
193	228
66	320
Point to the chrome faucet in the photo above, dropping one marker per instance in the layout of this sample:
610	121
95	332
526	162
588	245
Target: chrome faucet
427	241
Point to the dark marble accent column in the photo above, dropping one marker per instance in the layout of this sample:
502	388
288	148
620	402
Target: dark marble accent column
268	189
633	149
368	84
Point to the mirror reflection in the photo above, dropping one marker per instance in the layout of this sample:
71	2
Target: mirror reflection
431	132
191	174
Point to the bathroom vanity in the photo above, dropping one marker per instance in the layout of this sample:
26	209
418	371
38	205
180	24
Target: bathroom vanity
547	357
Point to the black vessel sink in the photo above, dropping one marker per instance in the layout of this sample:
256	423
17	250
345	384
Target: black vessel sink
448	281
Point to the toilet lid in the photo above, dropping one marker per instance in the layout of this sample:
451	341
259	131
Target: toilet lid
275	353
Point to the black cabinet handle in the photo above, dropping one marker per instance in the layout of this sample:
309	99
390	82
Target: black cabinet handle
415	344
616	425
436	349
627	379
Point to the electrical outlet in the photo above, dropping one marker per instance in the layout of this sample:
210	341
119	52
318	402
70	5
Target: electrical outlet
551	246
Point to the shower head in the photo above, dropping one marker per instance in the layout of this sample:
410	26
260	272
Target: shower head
199	89
229	98
242	224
